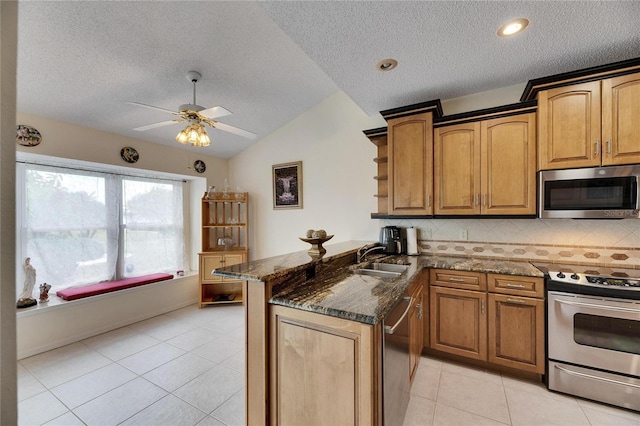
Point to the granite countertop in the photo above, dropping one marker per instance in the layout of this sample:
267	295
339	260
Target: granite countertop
272	267
344	294
368	299
341	293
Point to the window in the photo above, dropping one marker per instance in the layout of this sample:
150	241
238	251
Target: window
82	227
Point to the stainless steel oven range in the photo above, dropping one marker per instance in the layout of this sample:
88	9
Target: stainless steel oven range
593	331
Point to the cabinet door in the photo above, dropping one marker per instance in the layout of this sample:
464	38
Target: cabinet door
415	331
322	370
233	259
209	262
516	332
458	322
569	126
457	169
621	120
410	153
509	165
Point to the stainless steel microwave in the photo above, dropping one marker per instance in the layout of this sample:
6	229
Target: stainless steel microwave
593	193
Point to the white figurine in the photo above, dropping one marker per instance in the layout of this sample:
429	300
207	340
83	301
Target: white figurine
26	297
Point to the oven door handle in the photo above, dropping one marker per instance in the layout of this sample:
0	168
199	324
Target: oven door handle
589	376
593	305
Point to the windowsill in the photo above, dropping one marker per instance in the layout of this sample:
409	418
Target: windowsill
56	302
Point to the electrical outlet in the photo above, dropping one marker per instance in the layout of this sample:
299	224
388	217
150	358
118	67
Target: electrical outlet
463	235
425	233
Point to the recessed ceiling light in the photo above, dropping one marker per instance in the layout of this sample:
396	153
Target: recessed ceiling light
386	64
513	27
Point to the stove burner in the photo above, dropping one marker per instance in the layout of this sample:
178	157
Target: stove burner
619	282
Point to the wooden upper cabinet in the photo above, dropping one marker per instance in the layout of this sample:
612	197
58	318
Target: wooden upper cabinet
509	165
410	156
590	124
486	167
569	126
621	120
457	169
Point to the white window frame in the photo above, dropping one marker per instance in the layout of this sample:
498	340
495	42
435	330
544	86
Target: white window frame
21	236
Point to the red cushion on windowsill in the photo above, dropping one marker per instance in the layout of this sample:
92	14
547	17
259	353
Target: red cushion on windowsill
73	293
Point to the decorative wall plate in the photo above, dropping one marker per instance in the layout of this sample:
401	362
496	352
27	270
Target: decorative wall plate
27	135
199	166
130	155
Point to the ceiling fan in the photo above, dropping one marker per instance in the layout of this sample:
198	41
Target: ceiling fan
197	116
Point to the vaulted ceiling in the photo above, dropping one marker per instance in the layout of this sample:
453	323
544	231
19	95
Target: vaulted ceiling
267	62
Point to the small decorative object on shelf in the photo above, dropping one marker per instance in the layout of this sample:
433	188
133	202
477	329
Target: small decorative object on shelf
210	192
44	292
316	239
26	297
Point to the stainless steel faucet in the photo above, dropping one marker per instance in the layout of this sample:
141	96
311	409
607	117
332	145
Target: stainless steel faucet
363	251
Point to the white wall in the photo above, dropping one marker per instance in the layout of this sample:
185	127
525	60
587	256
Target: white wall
338	184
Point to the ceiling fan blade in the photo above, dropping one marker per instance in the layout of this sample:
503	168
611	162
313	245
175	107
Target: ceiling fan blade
150	106
235	130
153	126
215	112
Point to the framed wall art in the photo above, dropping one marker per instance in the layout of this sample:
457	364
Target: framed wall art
287	185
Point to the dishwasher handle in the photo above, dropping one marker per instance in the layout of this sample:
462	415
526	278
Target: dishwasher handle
390	329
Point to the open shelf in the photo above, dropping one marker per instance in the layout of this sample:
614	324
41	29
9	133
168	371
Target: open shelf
225	239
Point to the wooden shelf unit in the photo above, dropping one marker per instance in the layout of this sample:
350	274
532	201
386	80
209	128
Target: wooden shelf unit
225	236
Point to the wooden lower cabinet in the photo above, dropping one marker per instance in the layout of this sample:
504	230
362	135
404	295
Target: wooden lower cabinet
324	370
515	326
502	324
458	322
215	289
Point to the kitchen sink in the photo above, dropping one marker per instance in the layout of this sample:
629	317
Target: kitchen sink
388	267
382	270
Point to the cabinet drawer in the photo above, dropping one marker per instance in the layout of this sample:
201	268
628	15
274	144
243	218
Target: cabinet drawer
459	279
516	285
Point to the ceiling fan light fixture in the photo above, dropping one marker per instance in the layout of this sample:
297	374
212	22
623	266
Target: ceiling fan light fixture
194	134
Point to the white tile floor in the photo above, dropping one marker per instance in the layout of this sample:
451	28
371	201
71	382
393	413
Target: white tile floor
182	368
187	368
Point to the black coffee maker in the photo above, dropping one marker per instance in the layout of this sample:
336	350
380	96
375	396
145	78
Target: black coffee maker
391	239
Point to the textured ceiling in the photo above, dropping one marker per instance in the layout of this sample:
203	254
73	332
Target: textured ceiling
268	62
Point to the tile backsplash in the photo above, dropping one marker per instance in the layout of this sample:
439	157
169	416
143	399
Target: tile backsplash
597	242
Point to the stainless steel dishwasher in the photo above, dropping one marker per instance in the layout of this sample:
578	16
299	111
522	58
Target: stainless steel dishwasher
395	363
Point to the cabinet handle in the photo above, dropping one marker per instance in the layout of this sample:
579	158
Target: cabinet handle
514	285
456	280
609	146
598	146
429	200
484	199
482	306
419	307
511	300
476	198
